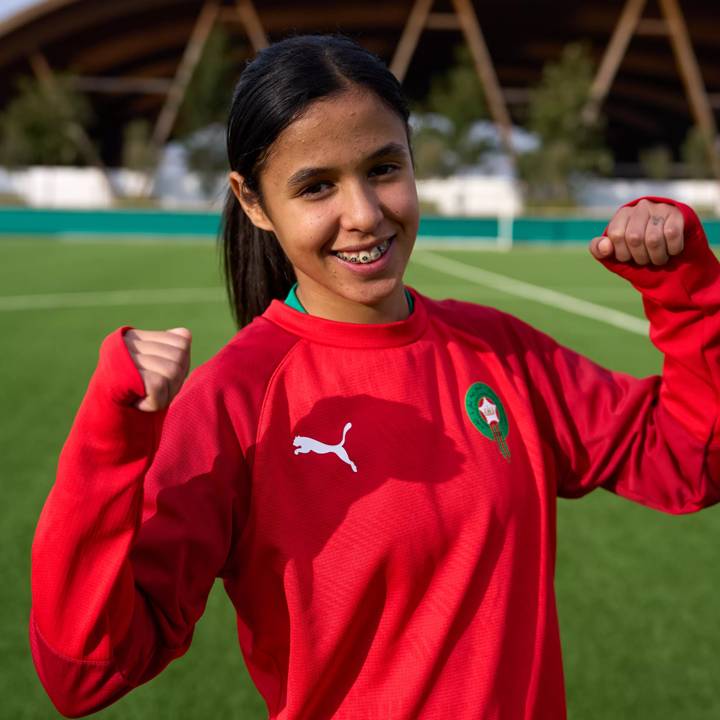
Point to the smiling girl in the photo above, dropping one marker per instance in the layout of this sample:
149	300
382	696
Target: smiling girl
372	473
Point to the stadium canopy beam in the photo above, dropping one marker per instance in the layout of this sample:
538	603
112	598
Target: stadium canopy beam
692	79
251	20
442	21
614	54
673	26
464	19
75	131
486	71
142	39
204	24
409	39
121	85
193	52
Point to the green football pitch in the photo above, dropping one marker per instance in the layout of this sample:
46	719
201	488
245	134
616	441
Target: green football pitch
637	590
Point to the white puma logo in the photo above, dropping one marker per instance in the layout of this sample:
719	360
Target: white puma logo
307	444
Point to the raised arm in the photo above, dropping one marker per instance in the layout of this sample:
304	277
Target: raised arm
654	440
134	531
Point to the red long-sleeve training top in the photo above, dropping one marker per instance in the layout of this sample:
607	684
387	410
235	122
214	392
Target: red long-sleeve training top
379	500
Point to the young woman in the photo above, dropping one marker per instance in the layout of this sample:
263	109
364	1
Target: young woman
372	473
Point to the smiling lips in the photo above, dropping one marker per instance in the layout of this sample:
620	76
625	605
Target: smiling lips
366	256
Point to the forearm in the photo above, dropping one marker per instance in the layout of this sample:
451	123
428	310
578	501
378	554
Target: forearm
82	581
682	303
135	531
653	440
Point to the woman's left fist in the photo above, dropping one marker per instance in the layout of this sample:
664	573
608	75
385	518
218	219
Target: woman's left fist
646	233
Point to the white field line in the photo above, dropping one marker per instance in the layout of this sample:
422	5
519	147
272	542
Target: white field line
535	293
169	296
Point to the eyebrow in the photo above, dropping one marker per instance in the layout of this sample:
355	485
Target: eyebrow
308	173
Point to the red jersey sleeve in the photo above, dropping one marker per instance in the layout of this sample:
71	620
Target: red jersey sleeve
133	533
654	440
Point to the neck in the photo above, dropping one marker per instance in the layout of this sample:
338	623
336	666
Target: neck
330	306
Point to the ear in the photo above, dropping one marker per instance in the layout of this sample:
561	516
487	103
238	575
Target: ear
249	202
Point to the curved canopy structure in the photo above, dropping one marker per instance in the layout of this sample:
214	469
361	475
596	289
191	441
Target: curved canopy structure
659	64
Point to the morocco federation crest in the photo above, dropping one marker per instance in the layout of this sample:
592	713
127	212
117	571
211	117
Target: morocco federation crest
487	414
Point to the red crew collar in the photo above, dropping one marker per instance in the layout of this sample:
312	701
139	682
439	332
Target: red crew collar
350	335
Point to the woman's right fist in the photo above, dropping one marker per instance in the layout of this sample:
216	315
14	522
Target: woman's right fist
163	360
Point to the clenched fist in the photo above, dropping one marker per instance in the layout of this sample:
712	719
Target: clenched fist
646	233
163	360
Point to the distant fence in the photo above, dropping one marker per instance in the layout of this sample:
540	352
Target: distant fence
522	229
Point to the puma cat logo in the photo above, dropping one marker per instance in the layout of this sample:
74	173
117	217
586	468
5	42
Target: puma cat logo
307	444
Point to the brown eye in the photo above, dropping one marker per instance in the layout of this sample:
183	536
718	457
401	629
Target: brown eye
315	189
384	169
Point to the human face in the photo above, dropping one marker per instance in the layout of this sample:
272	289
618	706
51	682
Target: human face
340	180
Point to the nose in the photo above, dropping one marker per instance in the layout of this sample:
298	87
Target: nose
361	209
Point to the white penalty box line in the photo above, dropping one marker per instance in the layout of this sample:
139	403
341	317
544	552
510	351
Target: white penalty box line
57	301
534	293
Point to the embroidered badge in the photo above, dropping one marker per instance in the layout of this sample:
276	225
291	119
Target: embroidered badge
305	445
488	415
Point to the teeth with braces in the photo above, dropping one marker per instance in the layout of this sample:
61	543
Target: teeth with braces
365	256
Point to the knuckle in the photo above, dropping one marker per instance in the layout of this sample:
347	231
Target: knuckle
616	235
180	346
166	366
171	355
174	357
654	242
623	255
624	212
634	239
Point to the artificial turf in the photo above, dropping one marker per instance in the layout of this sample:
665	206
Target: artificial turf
637	590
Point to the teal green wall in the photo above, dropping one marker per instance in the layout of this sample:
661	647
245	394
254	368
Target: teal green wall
20	221
141	222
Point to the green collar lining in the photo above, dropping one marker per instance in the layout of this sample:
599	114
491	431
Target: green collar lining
293	301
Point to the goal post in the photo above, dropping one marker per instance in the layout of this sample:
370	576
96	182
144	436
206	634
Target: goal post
482	232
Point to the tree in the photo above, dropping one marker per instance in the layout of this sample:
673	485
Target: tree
38	126
694	153
207	156
139	151
569	145
444	141
206	98
656	162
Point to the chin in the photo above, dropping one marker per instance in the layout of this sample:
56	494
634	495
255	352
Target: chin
376	292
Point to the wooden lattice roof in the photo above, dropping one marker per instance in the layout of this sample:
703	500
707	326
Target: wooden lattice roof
127	53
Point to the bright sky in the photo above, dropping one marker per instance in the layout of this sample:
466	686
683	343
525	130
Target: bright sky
10	7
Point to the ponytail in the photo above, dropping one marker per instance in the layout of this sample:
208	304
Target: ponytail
255	267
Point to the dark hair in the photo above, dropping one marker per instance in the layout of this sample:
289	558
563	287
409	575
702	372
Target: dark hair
275	89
